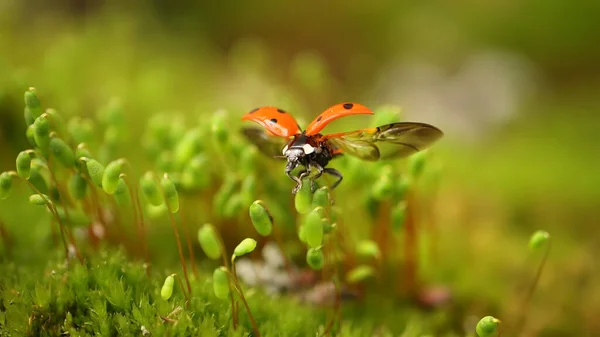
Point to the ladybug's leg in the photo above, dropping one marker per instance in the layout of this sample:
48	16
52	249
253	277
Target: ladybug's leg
298	179
336	173
320	170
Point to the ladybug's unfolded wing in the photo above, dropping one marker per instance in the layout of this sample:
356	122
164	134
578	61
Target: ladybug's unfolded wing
333	113
277	121
267	143
395	140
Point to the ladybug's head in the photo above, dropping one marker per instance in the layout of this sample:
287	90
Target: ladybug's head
294	158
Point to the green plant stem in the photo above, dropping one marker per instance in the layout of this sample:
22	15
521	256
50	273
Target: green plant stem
185	295
529	296
54	212
229	280
188	240
243	298
178	240
138	219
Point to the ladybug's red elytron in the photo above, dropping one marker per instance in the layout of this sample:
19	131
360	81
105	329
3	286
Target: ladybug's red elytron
309	148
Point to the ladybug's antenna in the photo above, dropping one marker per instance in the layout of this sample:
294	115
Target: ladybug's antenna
279	156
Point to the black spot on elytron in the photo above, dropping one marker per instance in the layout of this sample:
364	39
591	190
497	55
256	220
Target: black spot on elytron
319	118
273	120
348	106
281	111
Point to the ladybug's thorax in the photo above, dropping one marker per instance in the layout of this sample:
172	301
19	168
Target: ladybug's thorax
304	150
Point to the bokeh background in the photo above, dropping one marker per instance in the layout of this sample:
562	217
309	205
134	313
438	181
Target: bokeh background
514	84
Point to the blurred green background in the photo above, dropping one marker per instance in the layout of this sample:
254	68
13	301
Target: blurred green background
514	84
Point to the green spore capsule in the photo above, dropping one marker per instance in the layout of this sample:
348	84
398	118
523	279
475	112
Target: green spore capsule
171	195
368	248
24	164
261	218
538	240
77	186
81	130
122	195
167	289
487	327
315	258
209	241
62	152
32	103
38	177
224	193
245	247
41	133
187	147
39	200
416	163
383	188
248	188
359	273
221	283
150	189
95	170
219	127
82	151
303	198
112	173
321	198
313	228
398	216
233	206
196	173
30	134
5	185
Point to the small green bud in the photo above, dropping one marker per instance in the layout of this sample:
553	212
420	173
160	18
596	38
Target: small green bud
487	327
313	228
416	163
29	119
82	151
221	283
39	200
209	241
321	198
171	195
81	130
122	195
32	103
150	189
187	147
38	177
261	218
77	186
112	173
24	164
195	174
95	170
219	127
41	133
368	248
225	192
315	258
5	185
303	198
155	212
248	160
302	233
62	152
30	134
246	246
167	289
359	273
383	188
538	240
398	216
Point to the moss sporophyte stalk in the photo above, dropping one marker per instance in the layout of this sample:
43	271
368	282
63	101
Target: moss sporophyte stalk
339	239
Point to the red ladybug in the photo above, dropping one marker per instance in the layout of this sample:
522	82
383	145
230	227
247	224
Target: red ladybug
313	150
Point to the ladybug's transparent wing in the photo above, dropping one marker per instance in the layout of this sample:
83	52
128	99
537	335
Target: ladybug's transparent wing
394	140
267	143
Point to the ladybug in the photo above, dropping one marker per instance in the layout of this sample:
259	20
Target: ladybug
282	137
